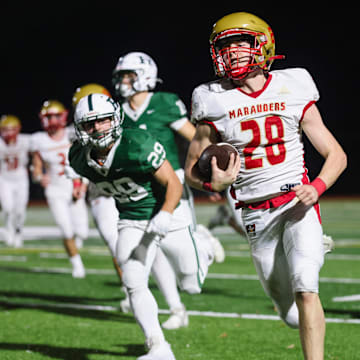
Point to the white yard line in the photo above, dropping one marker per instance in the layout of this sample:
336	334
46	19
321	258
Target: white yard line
11	258
348	298
212	314
209	276
354	257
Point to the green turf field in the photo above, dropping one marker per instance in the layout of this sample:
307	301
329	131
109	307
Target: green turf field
46	314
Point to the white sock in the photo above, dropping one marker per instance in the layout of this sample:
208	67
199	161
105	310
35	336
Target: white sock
76	261
165	278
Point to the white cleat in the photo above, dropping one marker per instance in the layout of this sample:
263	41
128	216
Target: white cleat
18	241
328	243
78	272
9	239
178	318
125	306
158	350
220	218
125	303
219	252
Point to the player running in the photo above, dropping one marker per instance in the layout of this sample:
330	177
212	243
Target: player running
263	113
131	166
49	160
14	178
163	115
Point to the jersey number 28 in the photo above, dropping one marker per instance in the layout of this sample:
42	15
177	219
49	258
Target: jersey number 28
274	157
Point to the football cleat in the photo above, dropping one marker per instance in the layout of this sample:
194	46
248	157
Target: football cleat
218	250
178	318
125	303
125	306
18	241
78	272
220	218
328	243
158	350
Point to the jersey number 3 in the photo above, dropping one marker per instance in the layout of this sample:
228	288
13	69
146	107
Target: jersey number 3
273	156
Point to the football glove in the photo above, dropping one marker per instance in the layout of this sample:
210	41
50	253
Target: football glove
160	224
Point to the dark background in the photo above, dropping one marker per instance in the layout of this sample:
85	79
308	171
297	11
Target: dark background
50	48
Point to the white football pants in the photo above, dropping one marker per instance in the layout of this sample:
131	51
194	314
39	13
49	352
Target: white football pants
71	216
287	250
14	196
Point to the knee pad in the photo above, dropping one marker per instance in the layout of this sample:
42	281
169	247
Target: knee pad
133	276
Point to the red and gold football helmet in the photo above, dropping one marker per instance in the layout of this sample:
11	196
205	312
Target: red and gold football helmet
88	89
10	127
53	115
247	27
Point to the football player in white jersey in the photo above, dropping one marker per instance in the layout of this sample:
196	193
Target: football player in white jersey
263	113
14	178
164	115
49	159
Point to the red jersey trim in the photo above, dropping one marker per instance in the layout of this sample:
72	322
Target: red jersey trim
255	94
306	108
213	126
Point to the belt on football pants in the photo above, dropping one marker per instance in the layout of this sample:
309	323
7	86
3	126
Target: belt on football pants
267	204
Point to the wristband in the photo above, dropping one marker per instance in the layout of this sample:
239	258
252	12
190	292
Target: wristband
319	185
207	186
76	183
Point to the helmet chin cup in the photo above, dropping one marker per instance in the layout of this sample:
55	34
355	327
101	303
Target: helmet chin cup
239	73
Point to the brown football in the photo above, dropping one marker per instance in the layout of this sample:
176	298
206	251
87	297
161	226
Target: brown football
222	153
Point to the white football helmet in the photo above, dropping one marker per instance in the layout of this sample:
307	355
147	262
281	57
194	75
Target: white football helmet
96	107
146	74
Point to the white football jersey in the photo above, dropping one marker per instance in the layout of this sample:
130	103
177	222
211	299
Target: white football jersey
14	158
54	154
263	126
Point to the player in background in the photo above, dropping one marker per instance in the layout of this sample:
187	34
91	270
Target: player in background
106	216
263	114
65	198
14	177
131	166
102	205
163	115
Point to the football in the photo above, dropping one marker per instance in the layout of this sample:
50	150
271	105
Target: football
222	153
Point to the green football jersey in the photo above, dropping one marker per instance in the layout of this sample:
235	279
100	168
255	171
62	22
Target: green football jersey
159	111
127	173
